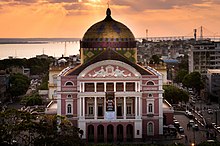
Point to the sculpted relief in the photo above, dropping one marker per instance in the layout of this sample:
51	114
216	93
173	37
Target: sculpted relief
109	71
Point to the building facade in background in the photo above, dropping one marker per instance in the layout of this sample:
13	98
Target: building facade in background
213	83
204	55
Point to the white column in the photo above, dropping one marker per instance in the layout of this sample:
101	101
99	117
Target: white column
80	107
114	86
136	108
104	99
140	107
95	84
104	86
80	87
83	108
95	110
115	108
124	108
136	87
124	86
83	88
139	86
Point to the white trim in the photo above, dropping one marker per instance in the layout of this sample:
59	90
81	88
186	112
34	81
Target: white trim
148	133
58	83
59	104
138	126
150	81
69	82
68	96
148	106
71	106
109	62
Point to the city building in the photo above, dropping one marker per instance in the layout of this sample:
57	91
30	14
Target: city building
55	68
204	55
109	96
213	83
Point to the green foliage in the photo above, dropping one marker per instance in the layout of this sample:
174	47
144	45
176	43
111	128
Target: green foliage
37	66
184	63
38	130
44	84
193	80
155	60
175	95
34	99
18	84
180	76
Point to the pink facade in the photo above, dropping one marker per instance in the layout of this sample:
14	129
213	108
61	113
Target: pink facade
136	102
110	97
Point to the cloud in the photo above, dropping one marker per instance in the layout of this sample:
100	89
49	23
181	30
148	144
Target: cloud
74	6
26	1
62	1
142	5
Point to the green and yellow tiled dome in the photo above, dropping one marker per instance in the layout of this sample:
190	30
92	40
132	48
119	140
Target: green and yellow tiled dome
108	33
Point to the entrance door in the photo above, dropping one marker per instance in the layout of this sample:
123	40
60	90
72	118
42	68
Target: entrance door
129	132
100	130
110	133
120	133
91	133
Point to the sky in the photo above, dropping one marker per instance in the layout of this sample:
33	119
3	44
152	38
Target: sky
71	18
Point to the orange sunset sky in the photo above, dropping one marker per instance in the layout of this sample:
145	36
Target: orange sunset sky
71	18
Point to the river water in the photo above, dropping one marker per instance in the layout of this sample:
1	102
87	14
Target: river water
29	50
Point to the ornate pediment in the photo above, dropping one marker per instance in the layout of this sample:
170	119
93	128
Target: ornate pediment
109	71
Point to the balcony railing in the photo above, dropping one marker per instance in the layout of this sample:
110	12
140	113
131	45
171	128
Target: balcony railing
128	116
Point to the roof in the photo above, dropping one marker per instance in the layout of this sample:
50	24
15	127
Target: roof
108	54
108	28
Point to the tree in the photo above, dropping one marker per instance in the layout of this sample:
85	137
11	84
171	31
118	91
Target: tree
180	75
31	100
29	129
184	62
193	80
18	84
175	95
155	60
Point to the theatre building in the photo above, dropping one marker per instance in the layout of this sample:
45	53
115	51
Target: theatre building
109	96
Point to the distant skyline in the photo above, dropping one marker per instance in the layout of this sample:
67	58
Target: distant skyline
71	18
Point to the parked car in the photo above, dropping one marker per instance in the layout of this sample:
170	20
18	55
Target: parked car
196	127
210	111
191	122
190	115
181	129
218	128
176	124
214	125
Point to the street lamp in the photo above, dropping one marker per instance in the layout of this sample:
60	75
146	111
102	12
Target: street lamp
194	135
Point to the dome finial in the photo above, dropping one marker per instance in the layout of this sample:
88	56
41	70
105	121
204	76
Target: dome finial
108	12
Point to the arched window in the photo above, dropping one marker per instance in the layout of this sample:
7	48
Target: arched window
69	96
150	108
150	129
69	83
150	83
69	109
